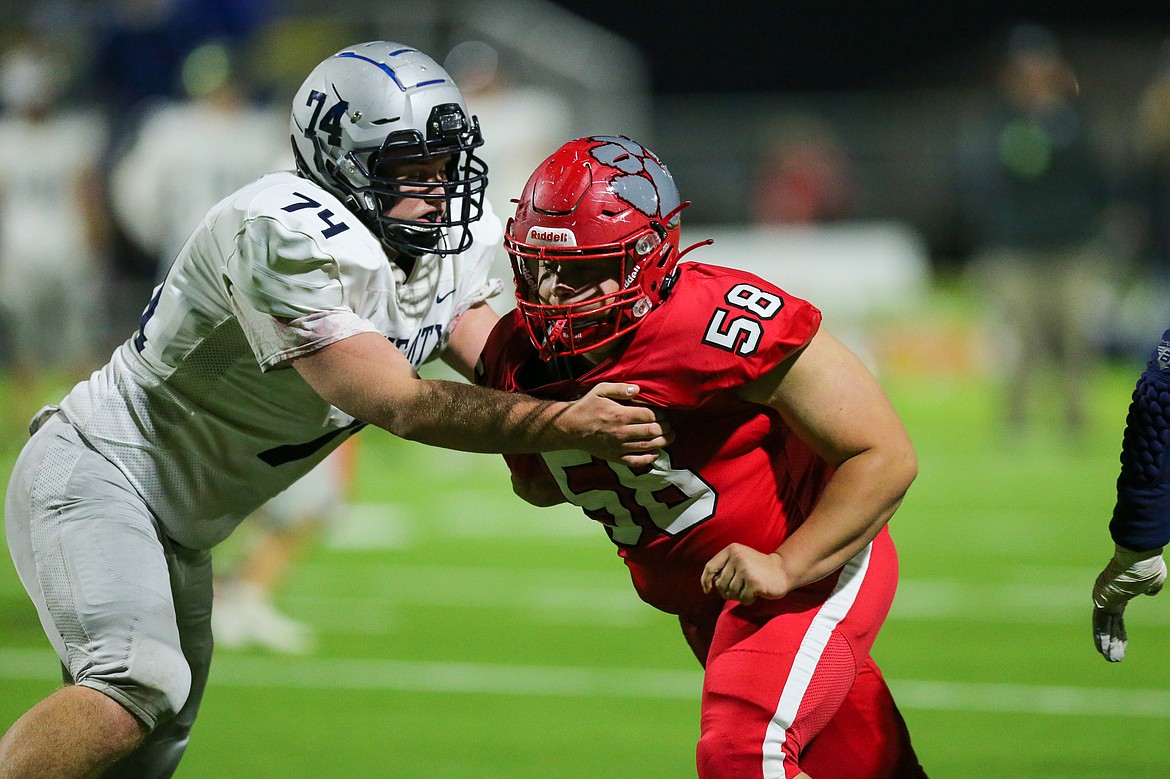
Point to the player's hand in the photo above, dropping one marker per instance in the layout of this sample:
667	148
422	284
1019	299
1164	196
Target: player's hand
744	574
605	424
1128	575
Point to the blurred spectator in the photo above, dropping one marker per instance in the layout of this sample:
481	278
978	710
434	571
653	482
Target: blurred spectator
1034	194
139	49
524	124
804	175
1151	146
187	154
276	538
51	220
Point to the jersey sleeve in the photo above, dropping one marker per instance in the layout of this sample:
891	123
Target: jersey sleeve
287	292
720	329
1141	516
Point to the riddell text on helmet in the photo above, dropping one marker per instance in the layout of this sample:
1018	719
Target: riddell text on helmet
552	236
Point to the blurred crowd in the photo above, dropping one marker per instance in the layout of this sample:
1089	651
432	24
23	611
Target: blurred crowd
1065	244
114	143
113	146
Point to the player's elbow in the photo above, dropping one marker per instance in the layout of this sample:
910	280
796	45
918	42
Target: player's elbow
891	463
901	467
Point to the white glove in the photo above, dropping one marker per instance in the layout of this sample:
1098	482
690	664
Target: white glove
1128	575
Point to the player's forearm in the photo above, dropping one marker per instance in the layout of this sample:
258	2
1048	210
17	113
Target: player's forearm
858	501
1141	518
369	379
474	419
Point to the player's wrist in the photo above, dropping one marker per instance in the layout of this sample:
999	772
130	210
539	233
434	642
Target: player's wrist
562	430
782	565
1137	559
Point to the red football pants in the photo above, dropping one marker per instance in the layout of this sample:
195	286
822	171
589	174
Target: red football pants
797	691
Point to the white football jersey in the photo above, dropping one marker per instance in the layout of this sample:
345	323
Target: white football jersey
200	408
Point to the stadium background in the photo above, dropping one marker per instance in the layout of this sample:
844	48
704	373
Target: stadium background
464	634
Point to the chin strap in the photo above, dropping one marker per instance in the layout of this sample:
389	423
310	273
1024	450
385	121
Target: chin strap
404	260
554	335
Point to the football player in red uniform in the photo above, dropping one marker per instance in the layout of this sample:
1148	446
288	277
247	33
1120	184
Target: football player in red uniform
763	525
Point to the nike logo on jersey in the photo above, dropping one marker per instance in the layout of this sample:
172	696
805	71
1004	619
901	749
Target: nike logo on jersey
441	298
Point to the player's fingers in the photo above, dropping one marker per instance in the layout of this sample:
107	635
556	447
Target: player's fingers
638	460
614	390
650	435
713	569
744	592
634	413
731	582
708	579
1109	634
1100	634
645	422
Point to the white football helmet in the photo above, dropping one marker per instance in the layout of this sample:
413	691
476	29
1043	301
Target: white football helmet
384	100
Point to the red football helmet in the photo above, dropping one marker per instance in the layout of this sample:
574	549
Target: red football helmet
598	199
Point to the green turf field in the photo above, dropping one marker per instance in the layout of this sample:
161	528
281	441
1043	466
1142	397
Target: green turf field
466	635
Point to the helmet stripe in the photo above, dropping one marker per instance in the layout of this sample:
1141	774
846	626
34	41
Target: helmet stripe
389	71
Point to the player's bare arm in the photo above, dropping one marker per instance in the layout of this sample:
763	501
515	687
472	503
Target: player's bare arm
829	398
368	378
467	339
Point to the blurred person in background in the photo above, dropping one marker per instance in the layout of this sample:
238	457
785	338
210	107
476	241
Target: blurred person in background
763	525
298	313
804	175
184	156
275	538
1151	160
1140	526
52	221
528	123
141	48
139	51
1034	194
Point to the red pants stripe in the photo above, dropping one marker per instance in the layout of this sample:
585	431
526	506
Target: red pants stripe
778	685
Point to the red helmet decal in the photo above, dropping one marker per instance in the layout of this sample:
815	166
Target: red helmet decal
645	183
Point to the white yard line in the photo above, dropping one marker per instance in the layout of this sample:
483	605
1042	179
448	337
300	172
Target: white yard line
606	596
556	681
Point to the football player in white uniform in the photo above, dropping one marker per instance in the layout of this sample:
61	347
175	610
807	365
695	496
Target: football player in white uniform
297	312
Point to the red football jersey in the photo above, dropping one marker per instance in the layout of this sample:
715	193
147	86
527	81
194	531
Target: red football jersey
734	473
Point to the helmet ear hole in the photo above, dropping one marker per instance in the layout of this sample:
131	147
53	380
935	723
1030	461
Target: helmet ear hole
646	244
